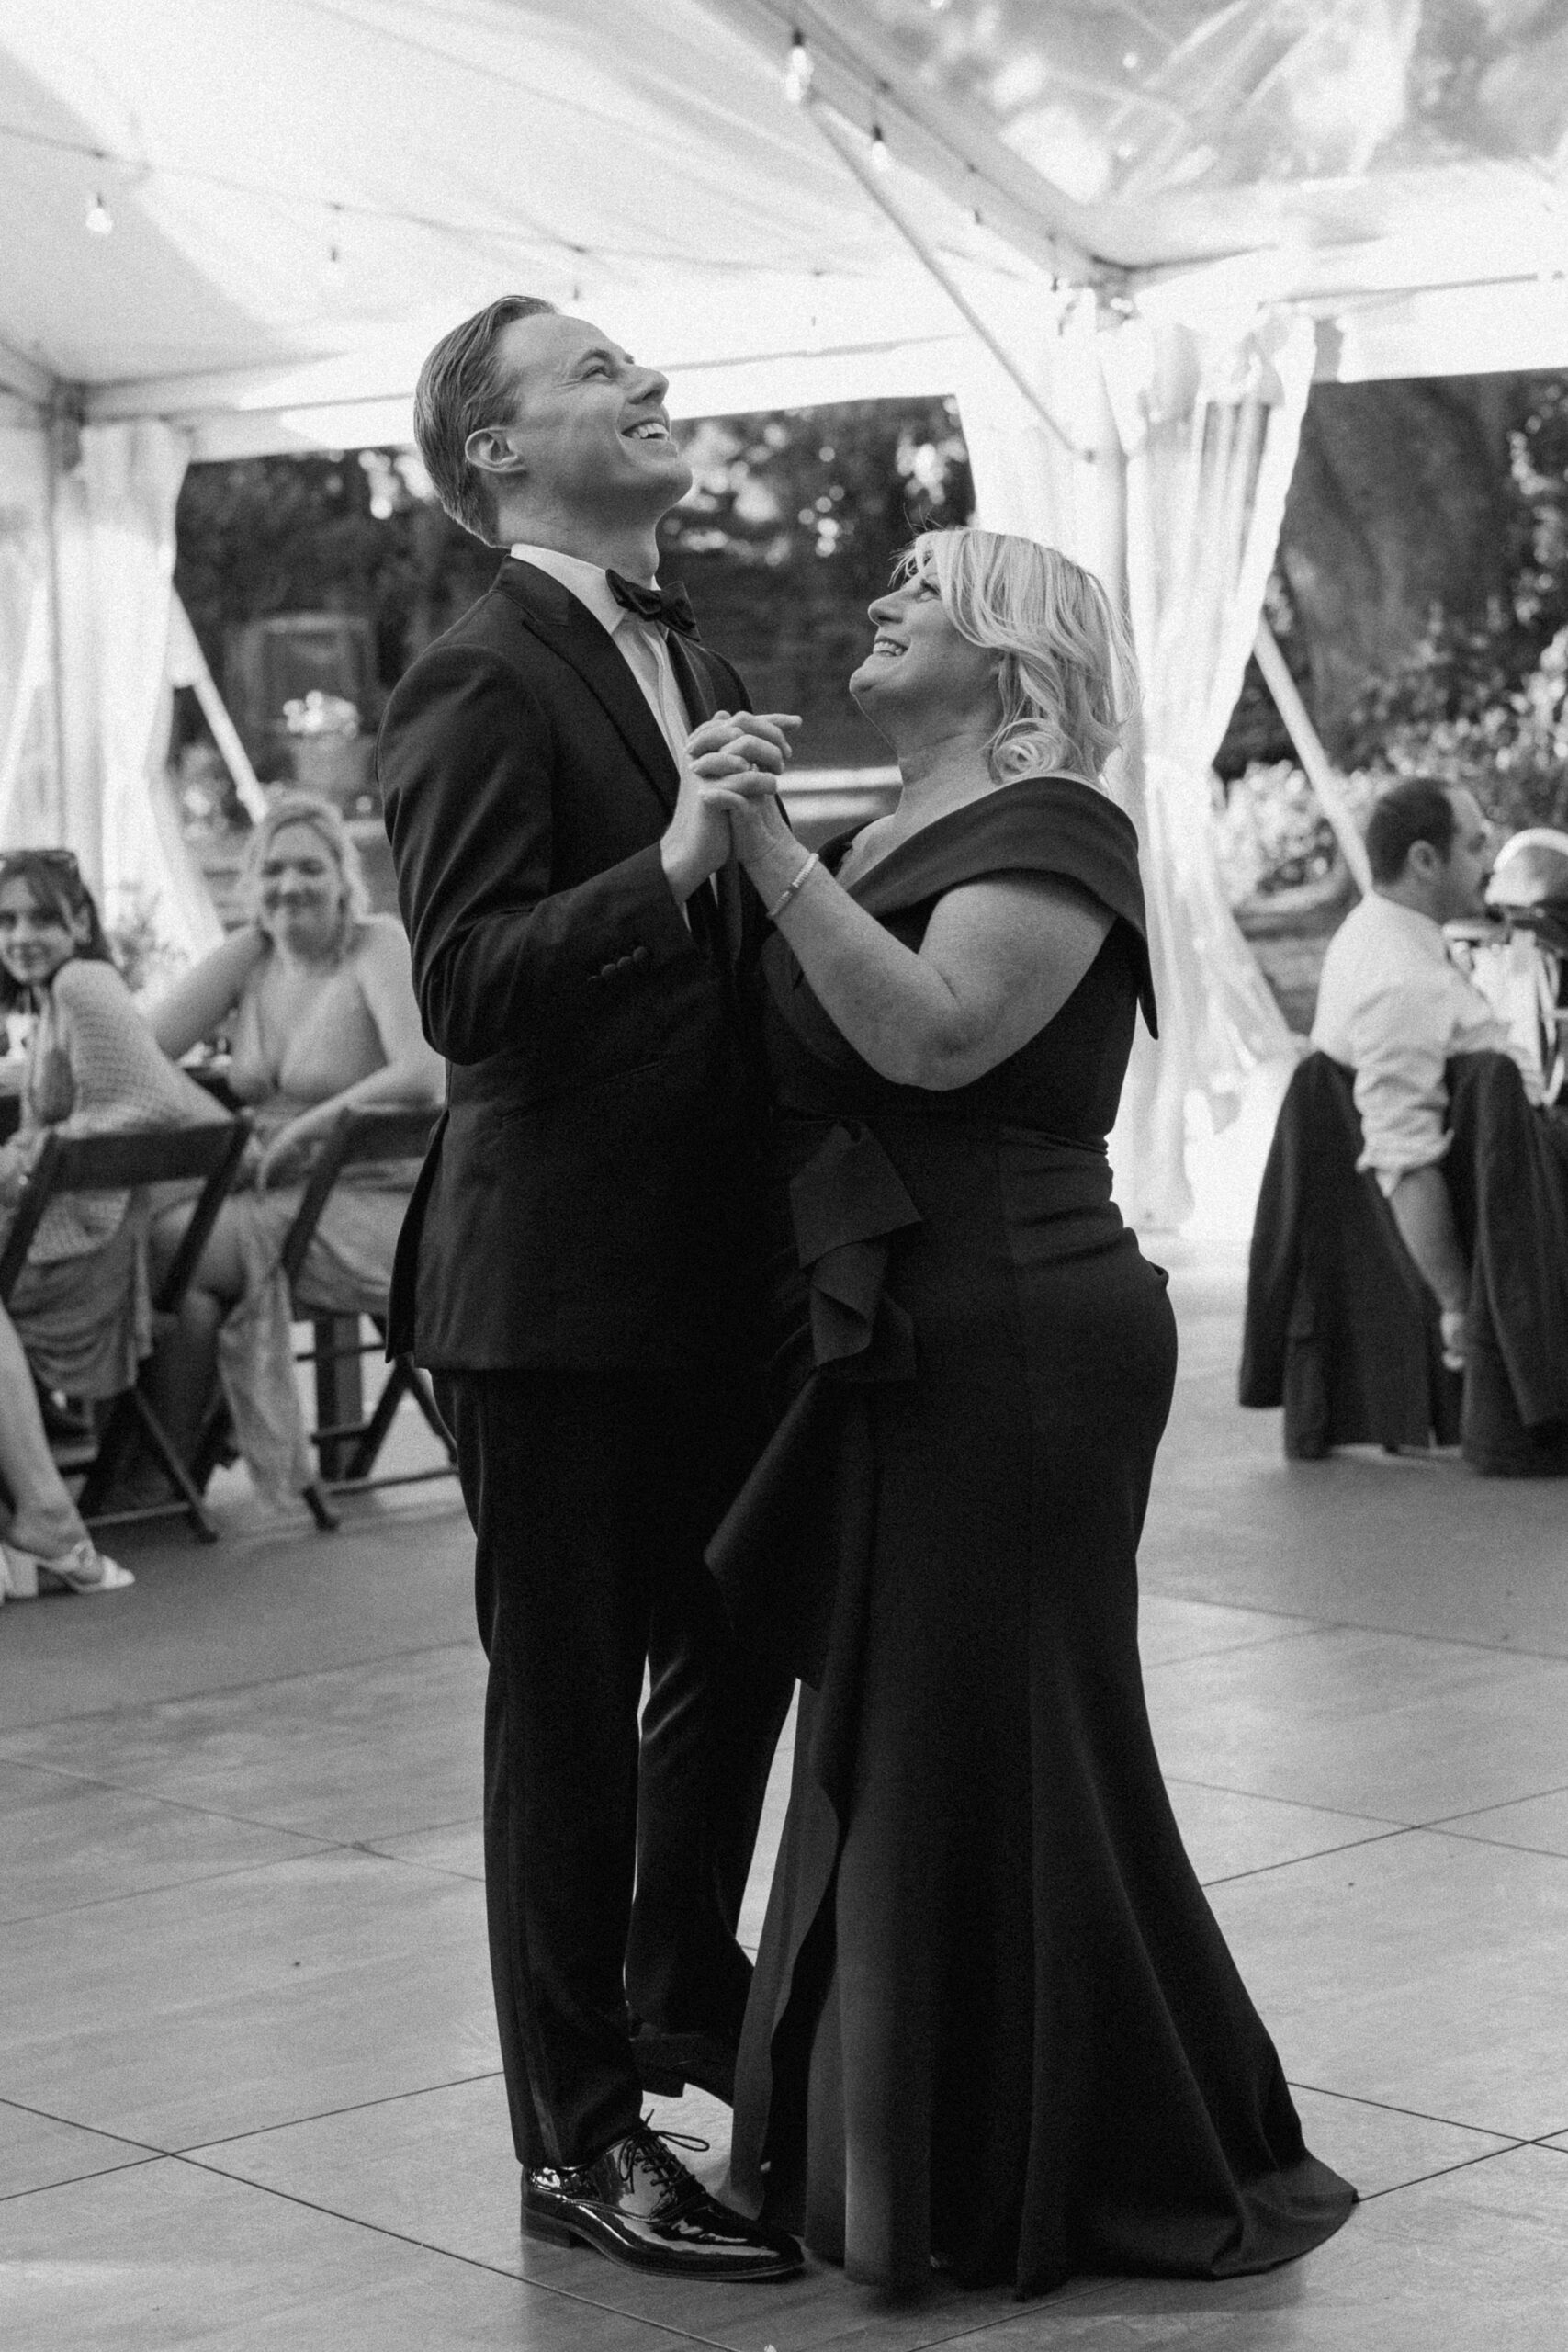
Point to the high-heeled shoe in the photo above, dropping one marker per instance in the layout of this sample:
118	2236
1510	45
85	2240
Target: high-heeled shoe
82	1569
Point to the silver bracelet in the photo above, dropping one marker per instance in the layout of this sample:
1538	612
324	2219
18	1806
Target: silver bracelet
794	889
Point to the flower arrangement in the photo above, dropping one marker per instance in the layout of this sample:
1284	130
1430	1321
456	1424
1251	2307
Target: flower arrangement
1271	833
321	714
145	957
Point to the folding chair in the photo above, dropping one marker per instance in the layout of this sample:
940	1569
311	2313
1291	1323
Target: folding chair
347	1443
123	1162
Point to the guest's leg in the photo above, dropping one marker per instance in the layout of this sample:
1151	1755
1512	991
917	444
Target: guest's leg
181	1375
43	1517
550	1471
709	1730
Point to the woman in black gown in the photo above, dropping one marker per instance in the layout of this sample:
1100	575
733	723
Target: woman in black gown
994	2024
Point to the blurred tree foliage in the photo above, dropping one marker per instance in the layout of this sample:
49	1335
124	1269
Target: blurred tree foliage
1421	593
1483	700
792	528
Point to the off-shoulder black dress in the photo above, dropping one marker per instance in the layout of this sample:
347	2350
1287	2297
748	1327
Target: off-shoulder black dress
993	2019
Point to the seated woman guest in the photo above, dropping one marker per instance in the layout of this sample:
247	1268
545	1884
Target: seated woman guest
314	995
80	1316
994	2026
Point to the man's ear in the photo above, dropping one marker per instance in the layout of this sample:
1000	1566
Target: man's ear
1423	861
491	449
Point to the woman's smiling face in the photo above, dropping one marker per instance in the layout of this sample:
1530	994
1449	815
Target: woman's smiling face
920	662
300	892
34	940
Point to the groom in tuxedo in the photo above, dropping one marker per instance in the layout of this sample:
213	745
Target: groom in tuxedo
579	1268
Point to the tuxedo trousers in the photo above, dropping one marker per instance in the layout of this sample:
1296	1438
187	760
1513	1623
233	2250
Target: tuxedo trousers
615	1859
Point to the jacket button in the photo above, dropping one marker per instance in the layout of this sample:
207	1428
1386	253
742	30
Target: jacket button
640	954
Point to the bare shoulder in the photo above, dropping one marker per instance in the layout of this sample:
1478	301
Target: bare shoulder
86	984
1028	905
381	941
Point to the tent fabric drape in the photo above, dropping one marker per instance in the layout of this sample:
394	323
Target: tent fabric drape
1210	433
1175	498
115	541
28	751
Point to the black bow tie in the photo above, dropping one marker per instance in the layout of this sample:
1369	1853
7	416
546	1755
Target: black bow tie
671	606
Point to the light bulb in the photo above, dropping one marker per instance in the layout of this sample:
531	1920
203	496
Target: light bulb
798	72
881	161
100	220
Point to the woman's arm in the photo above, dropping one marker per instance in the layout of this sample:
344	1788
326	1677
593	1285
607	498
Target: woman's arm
999	960
412	1073
204	996
1001	956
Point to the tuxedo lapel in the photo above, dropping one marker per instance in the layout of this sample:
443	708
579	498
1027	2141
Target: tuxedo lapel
568	628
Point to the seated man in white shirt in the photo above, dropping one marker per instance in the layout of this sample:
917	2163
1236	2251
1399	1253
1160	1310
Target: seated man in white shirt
1393	1008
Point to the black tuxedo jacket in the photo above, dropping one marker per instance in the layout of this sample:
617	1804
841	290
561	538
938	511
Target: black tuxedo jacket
589	1195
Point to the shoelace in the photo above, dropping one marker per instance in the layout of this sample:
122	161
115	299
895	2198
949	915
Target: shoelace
656	2150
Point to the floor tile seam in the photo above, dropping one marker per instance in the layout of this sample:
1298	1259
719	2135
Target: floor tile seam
470	2261
230	1689
1470	1812
1440	2172
434	1829
241	1820
1236	1649
1415	2114
202	1812
1302	1618
413	1863
1397	1634
1498	1845
1318	1854
173	1885
326	2115
1548	2140
1266	1796
74	2179
70	2123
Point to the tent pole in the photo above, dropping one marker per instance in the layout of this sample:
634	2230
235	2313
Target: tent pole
225	734
1314	758
52	429
844	149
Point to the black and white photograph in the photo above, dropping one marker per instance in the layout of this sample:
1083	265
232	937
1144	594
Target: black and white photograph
784	1175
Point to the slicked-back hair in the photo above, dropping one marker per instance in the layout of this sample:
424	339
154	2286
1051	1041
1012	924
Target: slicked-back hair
1415	810
462	388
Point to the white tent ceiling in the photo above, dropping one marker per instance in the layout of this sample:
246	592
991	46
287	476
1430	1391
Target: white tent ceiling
302	192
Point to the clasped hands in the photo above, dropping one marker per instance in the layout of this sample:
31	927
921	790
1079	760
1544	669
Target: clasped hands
728	795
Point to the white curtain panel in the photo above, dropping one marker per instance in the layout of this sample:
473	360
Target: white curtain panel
1209	429
118	526
28	752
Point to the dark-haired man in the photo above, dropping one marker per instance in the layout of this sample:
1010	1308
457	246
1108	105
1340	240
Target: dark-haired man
579	1262
1393	1006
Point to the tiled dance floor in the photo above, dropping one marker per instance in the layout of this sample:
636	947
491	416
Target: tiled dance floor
248	2086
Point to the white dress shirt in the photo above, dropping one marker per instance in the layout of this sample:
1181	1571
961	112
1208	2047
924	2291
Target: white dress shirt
1392	1006
640	644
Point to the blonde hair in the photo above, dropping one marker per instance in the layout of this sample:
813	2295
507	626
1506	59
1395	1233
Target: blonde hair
1068	675
324	820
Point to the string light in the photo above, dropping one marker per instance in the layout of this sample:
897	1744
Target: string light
99	220
798	71
881	161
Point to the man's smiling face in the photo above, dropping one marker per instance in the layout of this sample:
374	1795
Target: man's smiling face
588	430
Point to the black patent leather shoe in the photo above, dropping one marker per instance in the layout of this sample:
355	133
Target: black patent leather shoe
637	2203
666	2062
